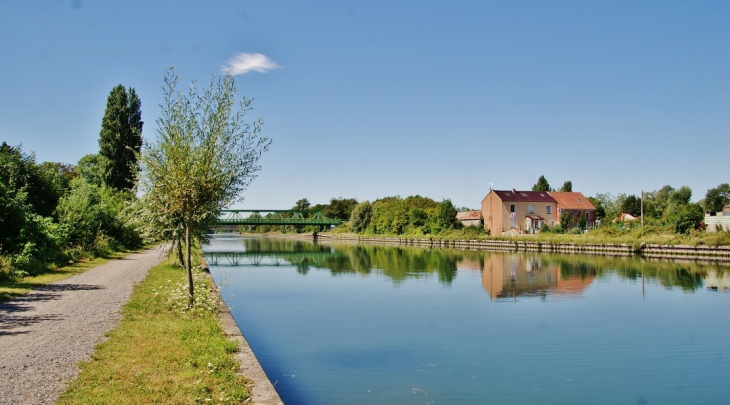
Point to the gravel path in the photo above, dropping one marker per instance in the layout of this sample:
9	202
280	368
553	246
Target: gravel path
44	333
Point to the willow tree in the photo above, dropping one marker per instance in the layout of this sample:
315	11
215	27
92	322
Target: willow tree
203	158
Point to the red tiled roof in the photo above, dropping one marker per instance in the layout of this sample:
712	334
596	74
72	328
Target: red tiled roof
524	196
468	215
572	201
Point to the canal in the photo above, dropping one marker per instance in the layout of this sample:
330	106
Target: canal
368	324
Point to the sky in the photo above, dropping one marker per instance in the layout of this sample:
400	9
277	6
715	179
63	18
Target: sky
368	99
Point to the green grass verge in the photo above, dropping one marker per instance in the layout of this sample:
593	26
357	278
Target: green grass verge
12	289
635	237
162	353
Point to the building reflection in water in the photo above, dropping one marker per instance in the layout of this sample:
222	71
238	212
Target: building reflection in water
717	280
513	275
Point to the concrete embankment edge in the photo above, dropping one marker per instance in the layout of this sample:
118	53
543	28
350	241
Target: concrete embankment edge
263	391
720	253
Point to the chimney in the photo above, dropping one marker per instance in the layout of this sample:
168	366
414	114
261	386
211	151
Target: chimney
514	191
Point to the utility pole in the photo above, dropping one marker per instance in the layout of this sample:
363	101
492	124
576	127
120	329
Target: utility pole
642	218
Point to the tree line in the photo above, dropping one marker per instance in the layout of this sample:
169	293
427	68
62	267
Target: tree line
53	212
414	215
667	207
170	188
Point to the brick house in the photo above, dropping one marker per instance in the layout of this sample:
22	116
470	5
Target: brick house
576	205
518	211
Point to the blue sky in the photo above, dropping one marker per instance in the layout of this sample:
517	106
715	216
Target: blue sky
373	98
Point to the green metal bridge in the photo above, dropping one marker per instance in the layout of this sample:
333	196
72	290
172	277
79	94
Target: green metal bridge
274	217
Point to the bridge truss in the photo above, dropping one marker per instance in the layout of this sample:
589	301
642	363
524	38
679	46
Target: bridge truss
274	217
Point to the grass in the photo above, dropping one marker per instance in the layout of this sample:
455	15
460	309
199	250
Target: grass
162	353
634	237
12	289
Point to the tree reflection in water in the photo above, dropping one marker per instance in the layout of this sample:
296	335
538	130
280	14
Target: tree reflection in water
504	275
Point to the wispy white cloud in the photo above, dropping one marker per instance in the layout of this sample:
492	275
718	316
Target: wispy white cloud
246	62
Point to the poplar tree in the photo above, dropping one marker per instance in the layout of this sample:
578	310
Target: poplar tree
541	185
120	139
203	158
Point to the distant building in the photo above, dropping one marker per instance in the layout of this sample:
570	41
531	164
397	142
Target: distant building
576	205
718	221
468	218
512	211
624	217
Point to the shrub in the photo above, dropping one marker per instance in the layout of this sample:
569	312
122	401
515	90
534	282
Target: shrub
360	216
96	219
689	218
557	229
446	215
28	241
418	217
390	216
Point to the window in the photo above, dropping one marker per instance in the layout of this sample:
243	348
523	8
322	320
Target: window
512	208
547	209
531	209
588	216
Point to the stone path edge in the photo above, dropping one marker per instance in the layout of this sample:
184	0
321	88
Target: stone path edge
263	391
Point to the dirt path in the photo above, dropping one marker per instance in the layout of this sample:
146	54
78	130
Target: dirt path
44	333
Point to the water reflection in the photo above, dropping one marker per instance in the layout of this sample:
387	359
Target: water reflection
512	275
718	280
462	326
504	275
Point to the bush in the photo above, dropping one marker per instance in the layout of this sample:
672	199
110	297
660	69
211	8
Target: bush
390	216
557	229
360	216
37	247
473	231
28	241
418	217
690	218
446	215
96	220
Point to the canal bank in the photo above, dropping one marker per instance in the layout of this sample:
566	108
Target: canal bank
701	252
262	390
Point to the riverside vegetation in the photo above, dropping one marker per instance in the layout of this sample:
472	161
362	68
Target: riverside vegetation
53	214
670	219
169	346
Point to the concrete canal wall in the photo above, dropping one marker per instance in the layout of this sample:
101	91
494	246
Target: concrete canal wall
262	390
653	251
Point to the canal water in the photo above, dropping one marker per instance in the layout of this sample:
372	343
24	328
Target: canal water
367	324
